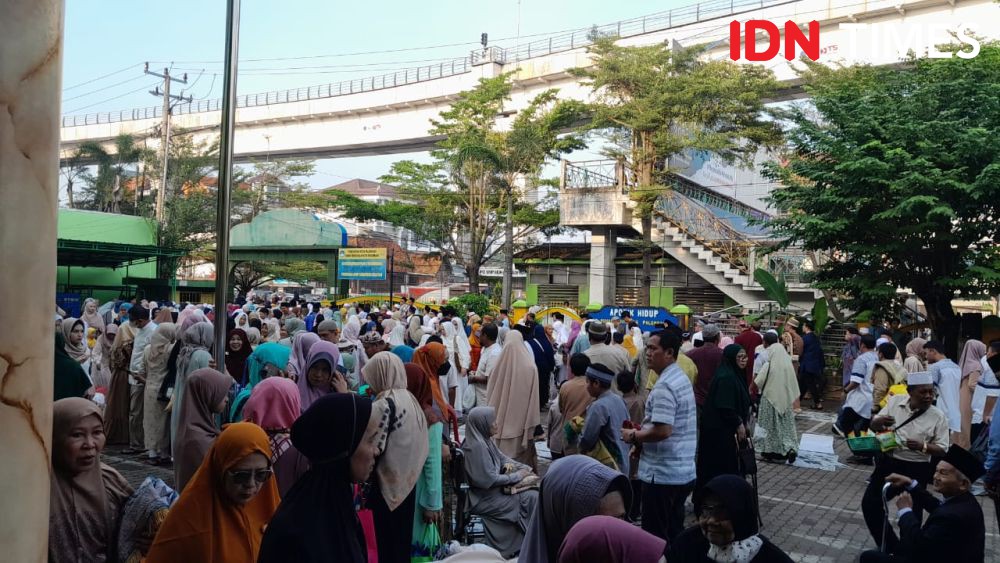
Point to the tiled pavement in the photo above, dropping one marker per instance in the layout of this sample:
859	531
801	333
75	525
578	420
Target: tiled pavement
814	515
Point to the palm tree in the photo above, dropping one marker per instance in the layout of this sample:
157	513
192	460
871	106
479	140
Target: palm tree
72	170
104	188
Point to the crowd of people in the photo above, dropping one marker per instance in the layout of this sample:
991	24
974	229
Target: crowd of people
334	434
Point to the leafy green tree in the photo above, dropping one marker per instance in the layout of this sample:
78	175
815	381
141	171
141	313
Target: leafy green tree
467	193
654	102
896	171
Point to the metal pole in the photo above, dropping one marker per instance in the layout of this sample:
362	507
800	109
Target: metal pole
225	179
161	196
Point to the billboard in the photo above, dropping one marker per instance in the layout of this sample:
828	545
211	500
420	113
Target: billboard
361	263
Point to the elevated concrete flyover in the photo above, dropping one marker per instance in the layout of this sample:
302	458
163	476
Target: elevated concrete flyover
391	113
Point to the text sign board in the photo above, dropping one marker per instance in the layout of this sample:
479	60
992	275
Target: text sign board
361	264
647	317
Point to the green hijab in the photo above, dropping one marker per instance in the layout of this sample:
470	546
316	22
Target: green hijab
267	353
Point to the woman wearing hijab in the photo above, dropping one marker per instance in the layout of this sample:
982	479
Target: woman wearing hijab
270	331
317	522
780	388
253	336
476	347
207	396
431	358
87	496
221	515
351	351
156	420
401	458
575	487
116	411
489	472
274	405
100	371
321	376
513	391
70	379
914	361
727	529
414	331
611	540
91	317
972	369
293	326
429	501
267	360
237	351
195	354
301	343
74	335
723	417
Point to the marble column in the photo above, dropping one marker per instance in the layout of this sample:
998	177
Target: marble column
31	46
603	250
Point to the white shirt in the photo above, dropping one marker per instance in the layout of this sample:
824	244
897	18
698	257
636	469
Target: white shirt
860	398
557	330
948	380
988	386
142	337
488	360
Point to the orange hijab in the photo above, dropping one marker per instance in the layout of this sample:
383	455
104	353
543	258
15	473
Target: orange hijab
206	527
431	357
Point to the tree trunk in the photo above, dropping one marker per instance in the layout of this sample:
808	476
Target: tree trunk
647	259
473	273
945	324
69	192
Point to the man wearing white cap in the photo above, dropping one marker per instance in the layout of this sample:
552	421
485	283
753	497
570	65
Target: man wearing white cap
921	430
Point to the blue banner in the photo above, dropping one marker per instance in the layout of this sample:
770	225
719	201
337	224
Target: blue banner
350	269
647	317
72	303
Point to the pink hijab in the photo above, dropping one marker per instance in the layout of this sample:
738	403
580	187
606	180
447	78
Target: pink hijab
603	538
321	351
274	404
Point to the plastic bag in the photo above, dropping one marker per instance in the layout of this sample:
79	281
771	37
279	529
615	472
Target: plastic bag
425	548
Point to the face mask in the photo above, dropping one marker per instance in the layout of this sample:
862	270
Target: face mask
444	369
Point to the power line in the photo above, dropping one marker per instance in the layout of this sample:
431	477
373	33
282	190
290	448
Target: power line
119	71
148	86
78	96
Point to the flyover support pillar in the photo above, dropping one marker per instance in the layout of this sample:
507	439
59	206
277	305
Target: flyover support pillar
603	249
31	40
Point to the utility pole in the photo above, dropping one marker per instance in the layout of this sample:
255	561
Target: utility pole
161	194
392	272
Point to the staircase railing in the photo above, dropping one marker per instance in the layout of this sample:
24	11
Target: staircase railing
699	223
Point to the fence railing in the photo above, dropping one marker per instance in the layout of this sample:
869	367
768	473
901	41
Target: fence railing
593	174
710	9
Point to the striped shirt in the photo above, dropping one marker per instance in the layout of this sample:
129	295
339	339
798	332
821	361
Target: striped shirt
670	461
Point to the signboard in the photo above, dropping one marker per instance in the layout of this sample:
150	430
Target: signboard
647	317
72	303
494	272
361	264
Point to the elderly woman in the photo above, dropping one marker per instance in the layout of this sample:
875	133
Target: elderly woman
575	487
222	514
727	528
87	497
274	405
317	521
505	516
780	388
207	396
195	353
401	458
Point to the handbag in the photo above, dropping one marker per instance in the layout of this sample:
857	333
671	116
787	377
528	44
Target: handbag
367	519
746	457
469	397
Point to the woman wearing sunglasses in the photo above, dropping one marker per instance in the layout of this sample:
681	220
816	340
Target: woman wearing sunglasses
222	512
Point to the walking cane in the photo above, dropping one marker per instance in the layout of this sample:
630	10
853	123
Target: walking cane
885	520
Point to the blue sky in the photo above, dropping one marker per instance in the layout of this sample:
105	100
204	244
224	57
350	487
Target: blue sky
118	36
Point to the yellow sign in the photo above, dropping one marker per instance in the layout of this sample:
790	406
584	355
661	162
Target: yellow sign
370	253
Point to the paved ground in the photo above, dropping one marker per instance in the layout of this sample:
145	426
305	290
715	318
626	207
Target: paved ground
814	515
